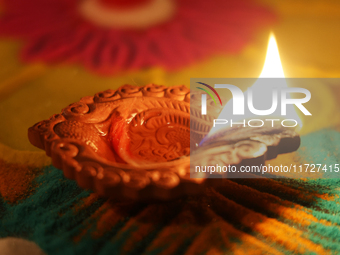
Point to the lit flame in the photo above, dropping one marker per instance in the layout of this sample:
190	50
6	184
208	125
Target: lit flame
272	69
272	65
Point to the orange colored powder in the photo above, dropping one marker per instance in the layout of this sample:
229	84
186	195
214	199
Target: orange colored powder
16	181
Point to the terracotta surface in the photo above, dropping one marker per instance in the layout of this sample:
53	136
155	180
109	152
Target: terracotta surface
90	142
134	142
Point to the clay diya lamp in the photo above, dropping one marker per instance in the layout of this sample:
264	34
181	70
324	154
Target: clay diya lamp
134	142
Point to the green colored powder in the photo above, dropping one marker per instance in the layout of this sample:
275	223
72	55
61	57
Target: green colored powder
45	217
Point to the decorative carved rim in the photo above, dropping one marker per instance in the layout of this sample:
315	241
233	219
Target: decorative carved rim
72	150
75	140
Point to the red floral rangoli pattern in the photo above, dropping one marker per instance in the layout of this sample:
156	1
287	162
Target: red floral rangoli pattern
183	32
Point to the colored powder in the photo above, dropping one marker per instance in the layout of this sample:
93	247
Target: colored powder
57	212
322	147
16	181
331	232
62	218
37	218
